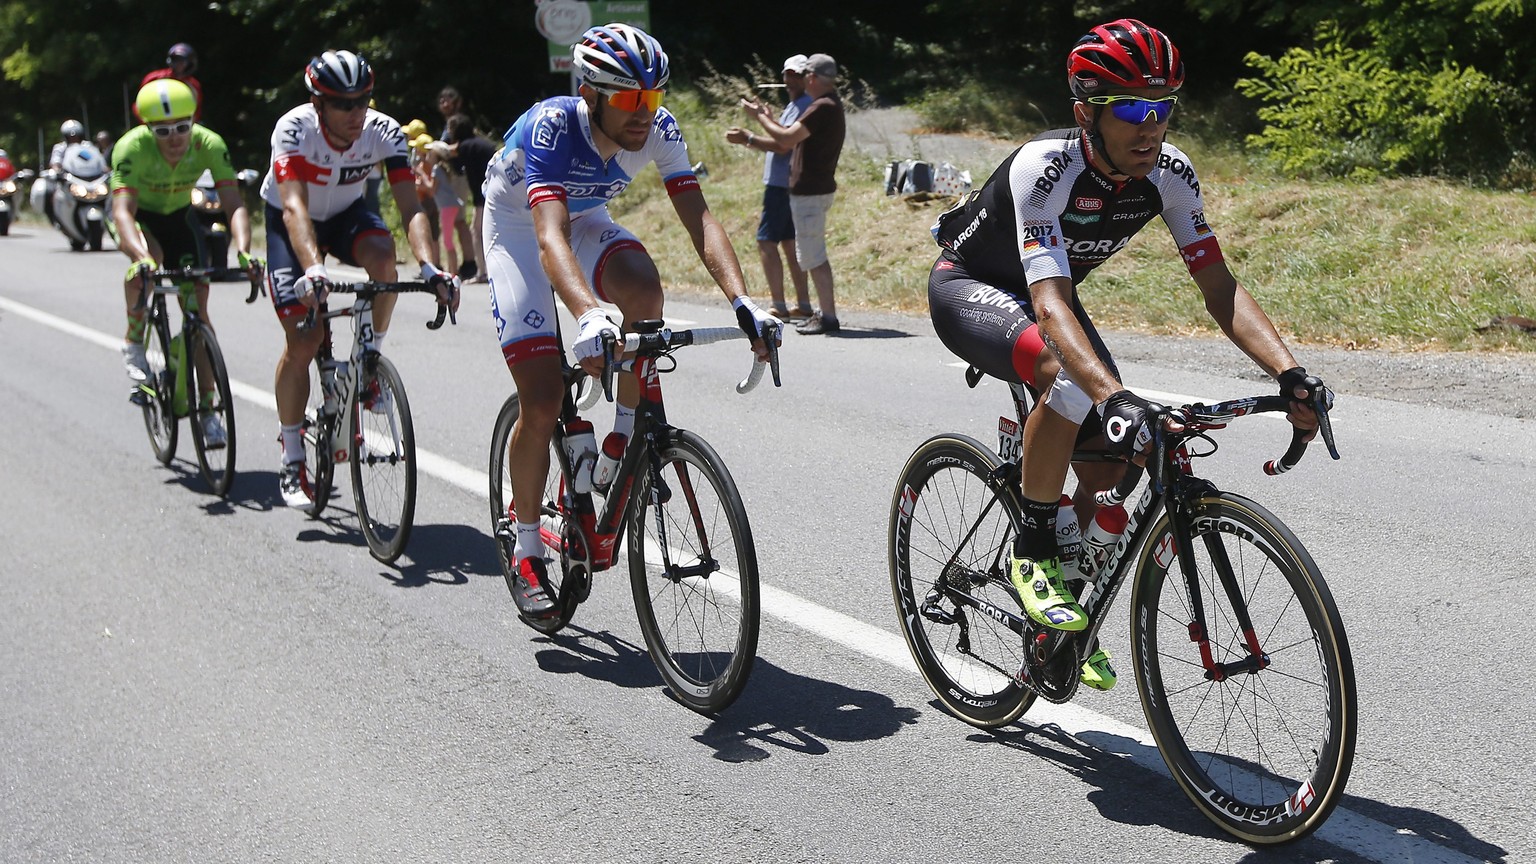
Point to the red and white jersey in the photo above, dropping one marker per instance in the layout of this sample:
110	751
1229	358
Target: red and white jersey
335	178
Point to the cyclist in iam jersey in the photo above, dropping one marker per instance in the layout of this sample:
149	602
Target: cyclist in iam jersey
1003	293
154	167
322	151
547	225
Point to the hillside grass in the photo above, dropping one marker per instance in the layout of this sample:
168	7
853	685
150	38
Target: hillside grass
1408	264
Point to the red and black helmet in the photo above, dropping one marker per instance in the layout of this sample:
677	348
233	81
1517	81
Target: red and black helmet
1124	53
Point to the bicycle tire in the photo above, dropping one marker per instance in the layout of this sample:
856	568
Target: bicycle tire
383	455
216	466
158	391
562	584
970	662
1264	755
319	438
701	630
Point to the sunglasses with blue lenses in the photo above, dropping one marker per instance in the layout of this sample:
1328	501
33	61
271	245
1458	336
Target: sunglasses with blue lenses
1134	109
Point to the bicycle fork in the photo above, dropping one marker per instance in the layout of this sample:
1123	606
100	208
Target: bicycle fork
1257	659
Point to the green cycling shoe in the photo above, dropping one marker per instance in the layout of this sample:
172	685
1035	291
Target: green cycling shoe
1046	599
1097	673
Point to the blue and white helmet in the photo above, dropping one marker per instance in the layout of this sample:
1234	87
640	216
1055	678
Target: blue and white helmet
621	57
338	73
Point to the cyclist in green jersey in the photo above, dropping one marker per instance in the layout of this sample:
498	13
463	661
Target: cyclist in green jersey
154	167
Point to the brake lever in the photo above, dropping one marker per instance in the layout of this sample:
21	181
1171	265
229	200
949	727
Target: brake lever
1322	402
608	341
772	338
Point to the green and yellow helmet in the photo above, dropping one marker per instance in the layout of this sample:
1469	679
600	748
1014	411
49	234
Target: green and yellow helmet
165	99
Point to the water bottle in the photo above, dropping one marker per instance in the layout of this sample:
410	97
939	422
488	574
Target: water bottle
1100	539
581	447
608	463
1069	539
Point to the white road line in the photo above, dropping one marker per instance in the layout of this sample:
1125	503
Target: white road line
1345	828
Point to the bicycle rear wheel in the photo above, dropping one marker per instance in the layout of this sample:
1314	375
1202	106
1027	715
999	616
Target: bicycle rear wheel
217	466
1265	754
155	394
693	572
949	541
569	581
383	455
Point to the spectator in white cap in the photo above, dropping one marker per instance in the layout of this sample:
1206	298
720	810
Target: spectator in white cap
817	139
776	227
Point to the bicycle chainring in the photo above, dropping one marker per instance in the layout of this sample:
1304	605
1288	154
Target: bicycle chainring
575	564
1050	666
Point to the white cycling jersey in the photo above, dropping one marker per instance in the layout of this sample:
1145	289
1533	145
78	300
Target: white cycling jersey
335	178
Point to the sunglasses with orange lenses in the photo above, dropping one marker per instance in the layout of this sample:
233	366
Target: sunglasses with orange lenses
634	100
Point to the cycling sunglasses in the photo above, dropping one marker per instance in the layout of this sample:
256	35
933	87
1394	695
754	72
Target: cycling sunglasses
166	130
634	100
1134	109
347	104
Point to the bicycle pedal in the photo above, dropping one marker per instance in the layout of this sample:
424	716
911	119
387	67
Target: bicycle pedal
138	397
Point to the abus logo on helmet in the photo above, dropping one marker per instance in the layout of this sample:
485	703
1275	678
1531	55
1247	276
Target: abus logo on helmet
1090	203
1157	82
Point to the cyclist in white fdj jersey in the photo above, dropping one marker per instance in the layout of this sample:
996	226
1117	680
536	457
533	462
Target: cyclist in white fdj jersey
547	225
1003	294
322	152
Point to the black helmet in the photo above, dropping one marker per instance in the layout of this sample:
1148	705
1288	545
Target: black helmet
338	73
182	51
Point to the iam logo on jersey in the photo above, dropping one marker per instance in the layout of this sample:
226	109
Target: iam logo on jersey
548	130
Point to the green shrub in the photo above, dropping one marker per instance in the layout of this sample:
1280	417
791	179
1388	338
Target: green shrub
974	106
1341	111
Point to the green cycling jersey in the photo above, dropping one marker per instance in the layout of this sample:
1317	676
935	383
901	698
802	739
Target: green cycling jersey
161	187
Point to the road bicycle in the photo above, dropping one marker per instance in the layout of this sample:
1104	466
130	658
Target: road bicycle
1240	656
167	394
692	563
359	414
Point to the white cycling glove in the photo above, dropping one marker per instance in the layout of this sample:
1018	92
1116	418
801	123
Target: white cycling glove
314	281
754	320
589	336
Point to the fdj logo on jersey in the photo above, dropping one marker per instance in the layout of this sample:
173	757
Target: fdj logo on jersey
548	129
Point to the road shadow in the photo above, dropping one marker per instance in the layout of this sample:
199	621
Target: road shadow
790	712
598	655
848	332
249	490
1128	793
444	555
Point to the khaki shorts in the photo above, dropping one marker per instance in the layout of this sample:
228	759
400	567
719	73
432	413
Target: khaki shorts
810	216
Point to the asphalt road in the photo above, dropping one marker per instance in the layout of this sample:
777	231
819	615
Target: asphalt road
193	679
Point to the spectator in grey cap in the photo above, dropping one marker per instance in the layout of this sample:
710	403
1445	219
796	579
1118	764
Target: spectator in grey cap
817	139
776	227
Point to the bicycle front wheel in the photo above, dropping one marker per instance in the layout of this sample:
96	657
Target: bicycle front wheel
949	541
567	581
319	440
693	572
155	394
1264	751
383	455
217	466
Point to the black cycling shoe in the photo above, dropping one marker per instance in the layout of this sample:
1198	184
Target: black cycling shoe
528	589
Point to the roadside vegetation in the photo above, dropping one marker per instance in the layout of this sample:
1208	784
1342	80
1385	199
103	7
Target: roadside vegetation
1405	263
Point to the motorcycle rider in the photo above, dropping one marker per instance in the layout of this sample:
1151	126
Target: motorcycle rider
154	168
74	133
180	63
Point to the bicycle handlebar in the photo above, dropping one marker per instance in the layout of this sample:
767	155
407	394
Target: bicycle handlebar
194	274
665	341
1199	417
369	290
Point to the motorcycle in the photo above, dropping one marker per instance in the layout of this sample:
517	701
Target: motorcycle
210	214
79	196
9	177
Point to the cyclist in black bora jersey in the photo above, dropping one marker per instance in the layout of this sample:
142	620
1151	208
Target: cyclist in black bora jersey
1003	294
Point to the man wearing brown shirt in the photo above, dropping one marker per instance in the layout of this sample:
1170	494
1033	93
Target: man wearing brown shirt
817	137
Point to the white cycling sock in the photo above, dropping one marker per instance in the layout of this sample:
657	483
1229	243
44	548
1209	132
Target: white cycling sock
529	544
293	442
378	339
623	419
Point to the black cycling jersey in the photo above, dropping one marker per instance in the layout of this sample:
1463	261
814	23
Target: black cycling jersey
1046	212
